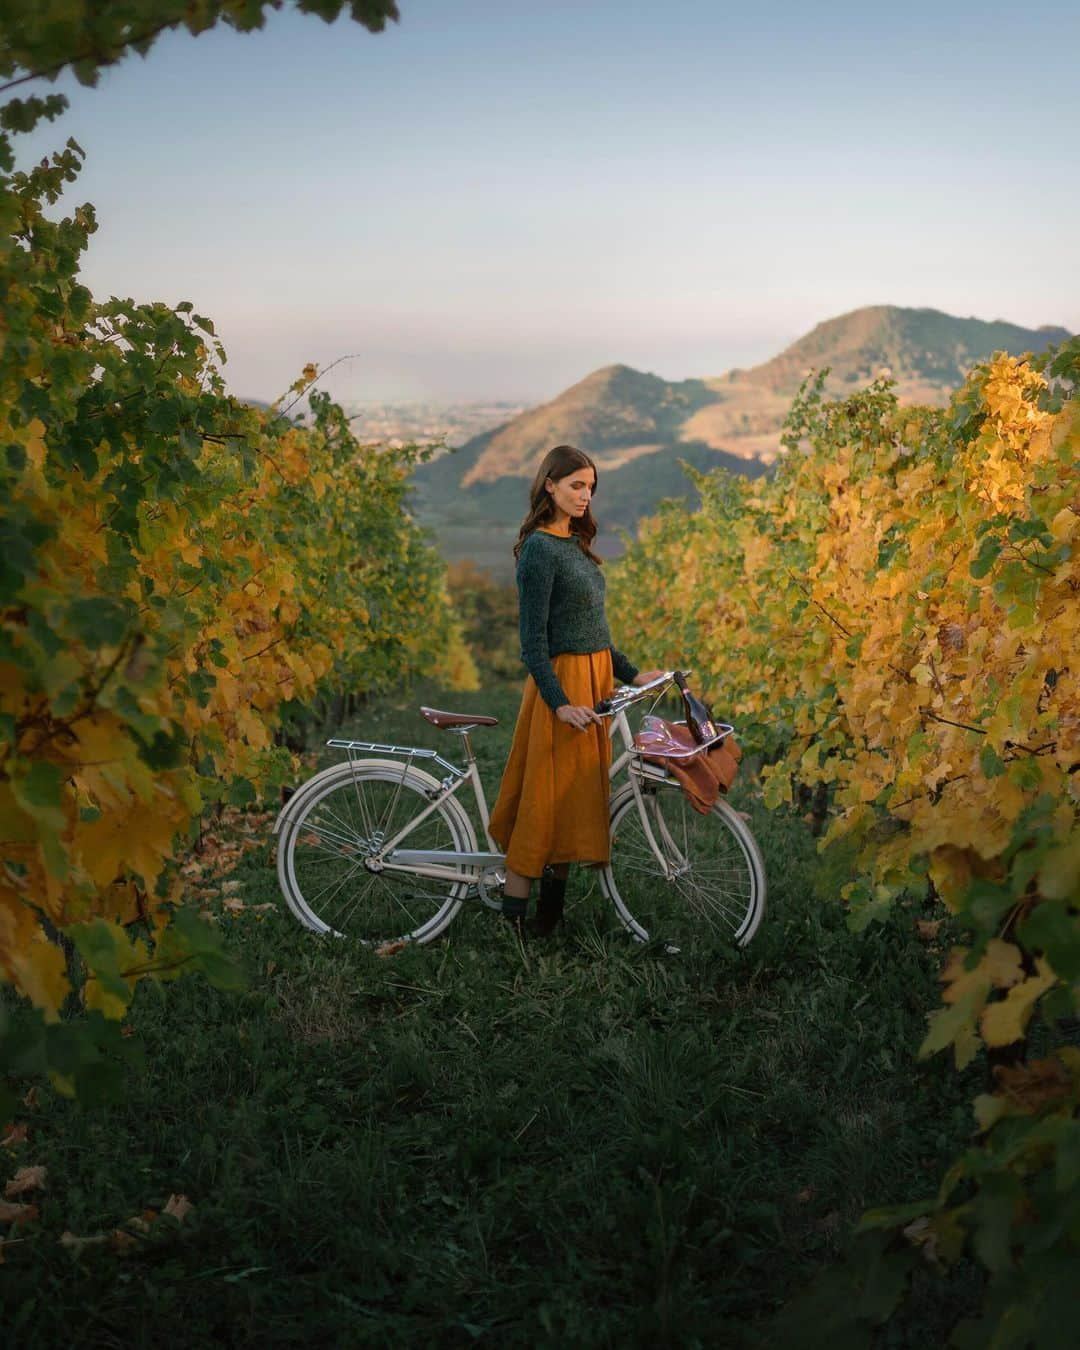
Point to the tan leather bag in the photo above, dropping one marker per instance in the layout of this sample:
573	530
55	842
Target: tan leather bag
703	774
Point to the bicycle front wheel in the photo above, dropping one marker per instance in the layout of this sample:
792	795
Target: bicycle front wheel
698	880
338	821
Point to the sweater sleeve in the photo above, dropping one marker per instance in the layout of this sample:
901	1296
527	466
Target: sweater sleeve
535	577
624	669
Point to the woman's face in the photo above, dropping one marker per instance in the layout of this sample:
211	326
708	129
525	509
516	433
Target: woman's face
573	493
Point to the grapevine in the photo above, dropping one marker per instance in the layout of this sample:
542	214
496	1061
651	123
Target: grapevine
894	620
178	570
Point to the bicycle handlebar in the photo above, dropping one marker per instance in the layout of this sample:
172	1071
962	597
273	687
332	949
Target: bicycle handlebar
628	694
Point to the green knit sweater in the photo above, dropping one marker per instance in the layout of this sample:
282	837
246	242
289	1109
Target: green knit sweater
561	609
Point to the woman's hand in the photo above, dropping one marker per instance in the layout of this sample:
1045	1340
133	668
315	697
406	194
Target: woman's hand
647	676
576	715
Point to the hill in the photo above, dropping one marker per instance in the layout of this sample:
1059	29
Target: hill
637	426
926	352
619	413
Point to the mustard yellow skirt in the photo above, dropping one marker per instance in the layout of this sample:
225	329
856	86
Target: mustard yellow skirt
552	805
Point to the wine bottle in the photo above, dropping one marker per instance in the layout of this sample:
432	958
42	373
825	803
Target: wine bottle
699	716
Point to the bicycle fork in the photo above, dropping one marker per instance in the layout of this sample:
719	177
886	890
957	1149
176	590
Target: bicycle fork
671	860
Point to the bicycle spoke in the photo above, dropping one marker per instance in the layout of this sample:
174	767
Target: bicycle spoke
332	888
394	895
386	819
347	827
365	819
702	901
341	841
354	901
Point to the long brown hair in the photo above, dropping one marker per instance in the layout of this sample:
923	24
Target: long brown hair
560	462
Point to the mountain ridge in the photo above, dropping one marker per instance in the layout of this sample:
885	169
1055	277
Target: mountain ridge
639	427
620	414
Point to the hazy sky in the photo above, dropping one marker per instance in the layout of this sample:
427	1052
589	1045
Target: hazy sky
491	199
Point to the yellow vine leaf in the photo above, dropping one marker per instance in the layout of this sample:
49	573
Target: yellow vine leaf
955	1026
134	838
999	967
35	966
1005	1021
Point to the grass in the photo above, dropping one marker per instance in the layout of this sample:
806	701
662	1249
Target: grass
583	1143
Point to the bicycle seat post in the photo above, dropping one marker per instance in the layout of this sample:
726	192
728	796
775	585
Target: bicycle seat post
463	732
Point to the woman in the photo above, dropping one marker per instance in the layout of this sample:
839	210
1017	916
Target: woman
552	807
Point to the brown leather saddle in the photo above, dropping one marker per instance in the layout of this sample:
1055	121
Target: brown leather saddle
703	771
437	718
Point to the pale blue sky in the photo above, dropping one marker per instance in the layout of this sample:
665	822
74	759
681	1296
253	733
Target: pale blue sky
492	199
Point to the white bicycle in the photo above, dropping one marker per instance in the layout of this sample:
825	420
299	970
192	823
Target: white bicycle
379	848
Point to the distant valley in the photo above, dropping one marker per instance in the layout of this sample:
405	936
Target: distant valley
637	426
424	423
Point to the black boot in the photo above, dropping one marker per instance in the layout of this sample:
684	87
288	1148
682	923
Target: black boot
513	911
550	906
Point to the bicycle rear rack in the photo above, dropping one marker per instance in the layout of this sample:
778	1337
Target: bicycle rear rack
409	751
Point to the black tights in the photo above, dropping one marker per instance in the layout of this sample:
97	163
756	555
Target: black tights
519	886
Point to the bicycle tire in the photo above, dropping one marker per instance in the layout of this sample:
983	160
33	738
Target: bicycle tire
336	819
719	890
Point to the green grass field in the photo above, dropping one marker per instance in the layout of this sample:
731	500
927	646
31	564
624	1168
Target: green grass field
585	1143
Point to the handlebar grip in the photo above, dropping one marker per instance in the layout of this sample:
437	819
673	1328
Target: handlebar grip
604	706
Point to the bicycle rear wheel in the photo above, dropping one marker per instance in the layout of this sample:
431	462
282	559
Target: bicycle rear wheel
342	817
713	886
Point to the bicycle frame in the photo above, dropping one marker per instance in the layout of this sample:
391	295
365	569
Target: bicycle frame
434	862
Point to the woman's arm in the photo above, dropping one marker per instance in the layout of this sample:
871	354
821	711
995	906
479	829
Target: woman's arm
623	667
535	577
627	672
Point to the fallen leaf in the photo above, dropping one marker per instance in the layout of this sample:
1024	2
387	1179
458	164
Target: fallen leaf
142	1223
179	1206
920	1233
75	1245
262	909
391	948
233	905
15	1135
927	928
25	1179
230	886
13	1213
